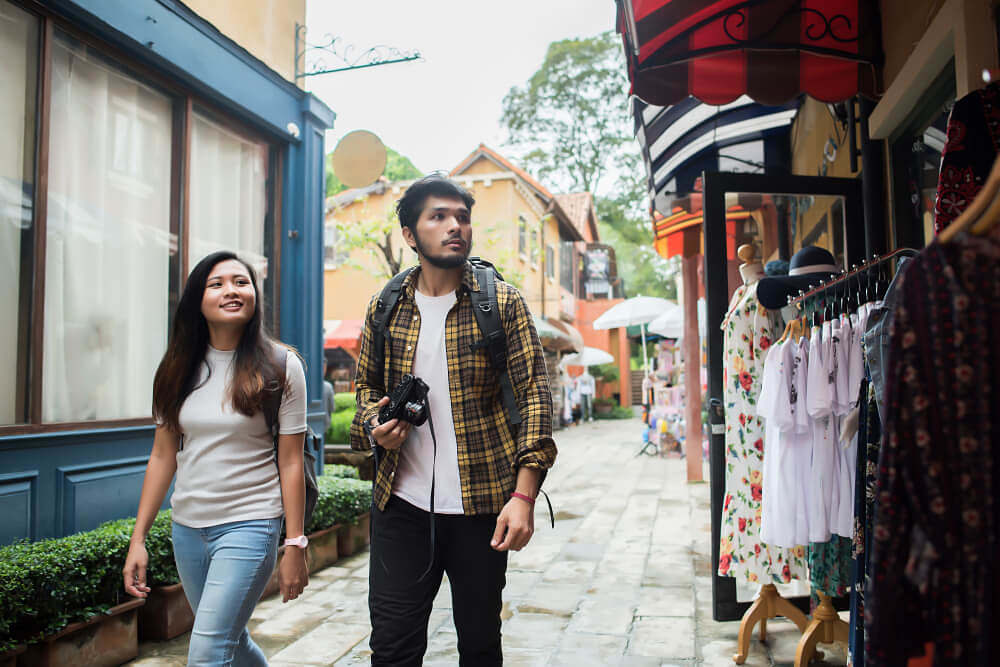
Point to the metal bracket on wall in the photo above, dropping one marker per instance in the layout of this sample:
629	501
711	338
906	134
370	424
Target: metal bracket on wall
335	56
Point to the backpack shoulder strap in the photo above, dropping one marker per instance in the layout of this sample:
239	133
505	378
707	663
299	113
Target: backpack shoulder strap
274	387
383	311
486	307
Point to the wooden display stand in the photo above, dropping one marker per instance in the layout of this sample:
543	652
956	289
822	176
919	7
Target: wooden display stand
769	604
826	626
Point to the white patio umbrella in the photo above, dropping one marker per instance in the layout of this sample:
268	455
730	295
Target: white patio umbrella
589	356
638	310
670	324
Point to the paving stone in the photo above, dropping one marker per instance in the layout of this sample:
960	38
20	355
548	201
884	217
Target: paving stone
534	631
663	638
603	615
324	644
298	619
720	654
563	571
582	650
557	599
669	601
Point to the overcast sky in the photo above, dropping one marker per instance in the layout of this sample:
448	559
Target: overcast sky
436	111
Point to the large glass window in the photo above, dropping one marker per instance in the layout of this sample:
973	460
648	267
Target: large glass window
18	82
107	241
95	254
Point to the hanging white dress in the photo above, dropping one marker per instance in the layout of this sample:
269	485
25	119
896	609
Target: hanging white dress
747	336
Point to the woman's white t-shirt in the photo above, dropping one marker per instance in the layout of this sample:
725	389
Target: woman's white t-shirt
226	469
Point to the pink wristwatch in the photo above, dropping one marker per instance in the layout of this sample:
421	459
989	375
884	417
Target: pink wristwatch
301	541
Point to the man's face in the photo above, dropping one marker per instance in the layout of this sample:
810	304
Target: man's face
444	232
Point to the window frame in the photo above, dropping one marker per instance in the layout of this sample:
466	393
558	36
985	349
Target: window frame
550	263
183	100
522	238
533	250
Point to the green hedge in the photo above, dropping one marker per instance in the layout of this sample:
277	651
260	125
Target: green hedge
617	412
48	584
340	427
341	501
338	470
345	400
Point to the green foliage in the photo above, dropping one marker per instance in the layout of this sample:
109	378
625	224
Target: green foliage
605	372
631	234
162	569
617	412
572	116
340	470
46	585
345	400
397	168
339	432
341	501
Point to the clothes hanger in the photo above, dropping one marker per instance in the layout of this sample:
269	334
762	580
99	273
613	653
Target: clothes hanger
982	214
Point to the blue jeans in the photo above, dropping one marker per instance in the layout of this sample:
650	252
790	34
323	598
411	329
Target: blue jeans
224	570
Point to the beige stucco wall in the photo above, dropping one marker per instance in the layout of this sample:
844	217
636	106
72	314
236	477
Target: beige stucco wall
499	202
265	28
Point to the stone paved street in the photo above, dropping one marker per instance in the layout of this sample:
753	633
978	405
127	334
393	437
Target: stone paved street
622	580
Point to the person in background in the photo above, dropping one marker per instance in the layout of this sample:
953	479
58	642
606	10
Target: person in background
587	387
229	498
329	405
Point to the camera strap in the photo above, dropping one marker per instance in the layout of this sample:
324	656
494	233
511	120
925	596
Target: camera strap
430	423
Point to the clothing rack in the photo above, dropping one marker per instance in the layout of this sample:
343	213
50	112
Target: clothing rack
859	272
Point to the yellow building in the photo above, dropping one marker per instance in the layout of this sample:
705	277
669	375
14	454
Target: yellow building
533	236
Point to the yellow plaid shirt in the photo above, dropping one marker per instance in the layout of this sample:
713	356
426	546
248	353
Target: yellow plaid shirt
490	449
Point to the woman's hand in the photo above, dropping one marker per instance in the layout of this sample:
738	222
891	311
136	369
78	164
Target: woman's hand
293	575
134	572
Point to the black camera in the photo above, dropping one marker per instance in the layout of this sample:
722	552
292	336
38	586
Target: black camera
407	402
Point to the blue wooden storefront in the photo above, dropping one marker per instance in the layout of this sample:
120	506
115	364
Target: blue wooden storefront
58	483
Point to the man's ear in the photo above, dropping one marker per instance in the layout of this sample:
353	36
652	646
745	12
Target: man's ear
408	238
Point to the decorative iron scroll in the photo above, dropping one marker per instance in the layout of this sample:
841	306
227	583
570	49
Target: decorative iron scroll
335	56
818	21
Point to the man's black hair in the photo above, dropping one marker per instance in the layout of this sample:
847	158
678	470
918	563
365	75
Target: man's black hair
412	202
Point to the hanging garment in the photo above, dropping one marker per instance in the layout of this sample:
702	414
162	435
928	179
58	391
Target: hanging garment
973	141
748	333
876	335
824	462
935	533
869	437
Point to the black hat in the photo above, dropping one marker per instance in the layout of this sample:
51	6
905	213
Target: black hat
809	266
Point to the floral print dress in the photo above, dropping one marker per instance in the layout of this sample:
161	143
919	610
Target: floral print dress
747	335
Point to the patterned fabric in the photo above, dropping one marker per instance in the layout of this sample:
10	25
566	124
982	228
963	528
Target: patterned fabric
830	566
869	438
748	333
973	142
935	533
490	450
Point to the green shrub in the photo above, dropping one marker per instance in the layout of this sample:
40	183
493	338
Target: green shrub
345	400
340	427
605	372
617	412
46	585
338	470
162	570
341	501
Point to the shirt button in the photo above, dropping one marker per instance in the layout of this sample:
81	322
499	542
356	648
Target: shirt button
409	347
414	318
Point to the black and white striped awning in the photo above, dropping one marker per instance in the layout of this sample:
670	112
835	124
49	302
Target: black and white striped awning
680	141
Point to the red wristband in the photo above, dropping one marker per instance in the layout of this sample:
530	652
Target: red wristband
527	499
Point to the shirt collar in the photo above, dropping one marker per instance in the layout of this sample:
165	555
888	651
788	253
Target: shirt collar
469	283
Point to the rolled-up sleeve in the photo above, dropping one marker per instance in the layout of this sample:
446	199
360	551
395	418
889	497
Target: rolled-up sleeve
529	378
368	383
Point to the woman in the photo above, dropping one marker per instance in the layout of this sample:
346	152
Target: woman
229	497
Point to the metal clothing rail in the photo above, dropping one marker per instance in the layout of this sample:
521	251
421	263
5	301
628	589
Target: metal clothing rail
847	275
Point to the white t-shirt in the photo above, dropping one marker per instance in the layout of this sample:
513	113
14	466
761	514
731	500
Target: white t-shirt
226	469
586	384
412	482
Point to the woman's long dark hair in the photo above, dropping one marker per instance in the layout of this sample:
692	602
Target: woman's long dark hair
178	370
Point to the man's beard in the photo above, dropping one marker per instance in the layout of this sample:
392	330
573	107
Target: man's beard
450	262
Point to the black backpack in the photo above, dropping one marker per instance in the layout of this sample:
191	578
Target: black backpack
272	402
487	311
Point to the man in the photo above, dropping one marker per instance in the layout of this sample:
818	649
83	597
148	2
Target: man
587	388
484	471
329	404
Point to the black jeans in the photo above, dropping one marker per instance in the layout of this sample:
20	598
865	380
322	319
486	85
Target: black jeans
400	602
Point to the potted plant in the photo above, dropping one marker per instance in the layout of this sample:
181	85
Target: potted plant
63	599
604	405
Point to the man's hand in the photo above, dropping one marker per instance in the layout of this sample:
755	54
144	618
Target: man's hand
393	433
515	526
293	575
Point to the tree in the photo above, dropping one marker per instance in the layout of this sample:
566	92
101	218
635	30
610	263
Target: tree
571	119
397	168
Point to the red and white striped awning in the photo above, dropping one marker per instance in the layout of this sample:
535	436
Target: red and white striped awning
770	50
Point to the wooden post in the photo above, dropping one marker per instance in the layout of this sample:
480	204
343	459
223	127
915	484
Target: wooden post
692	370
